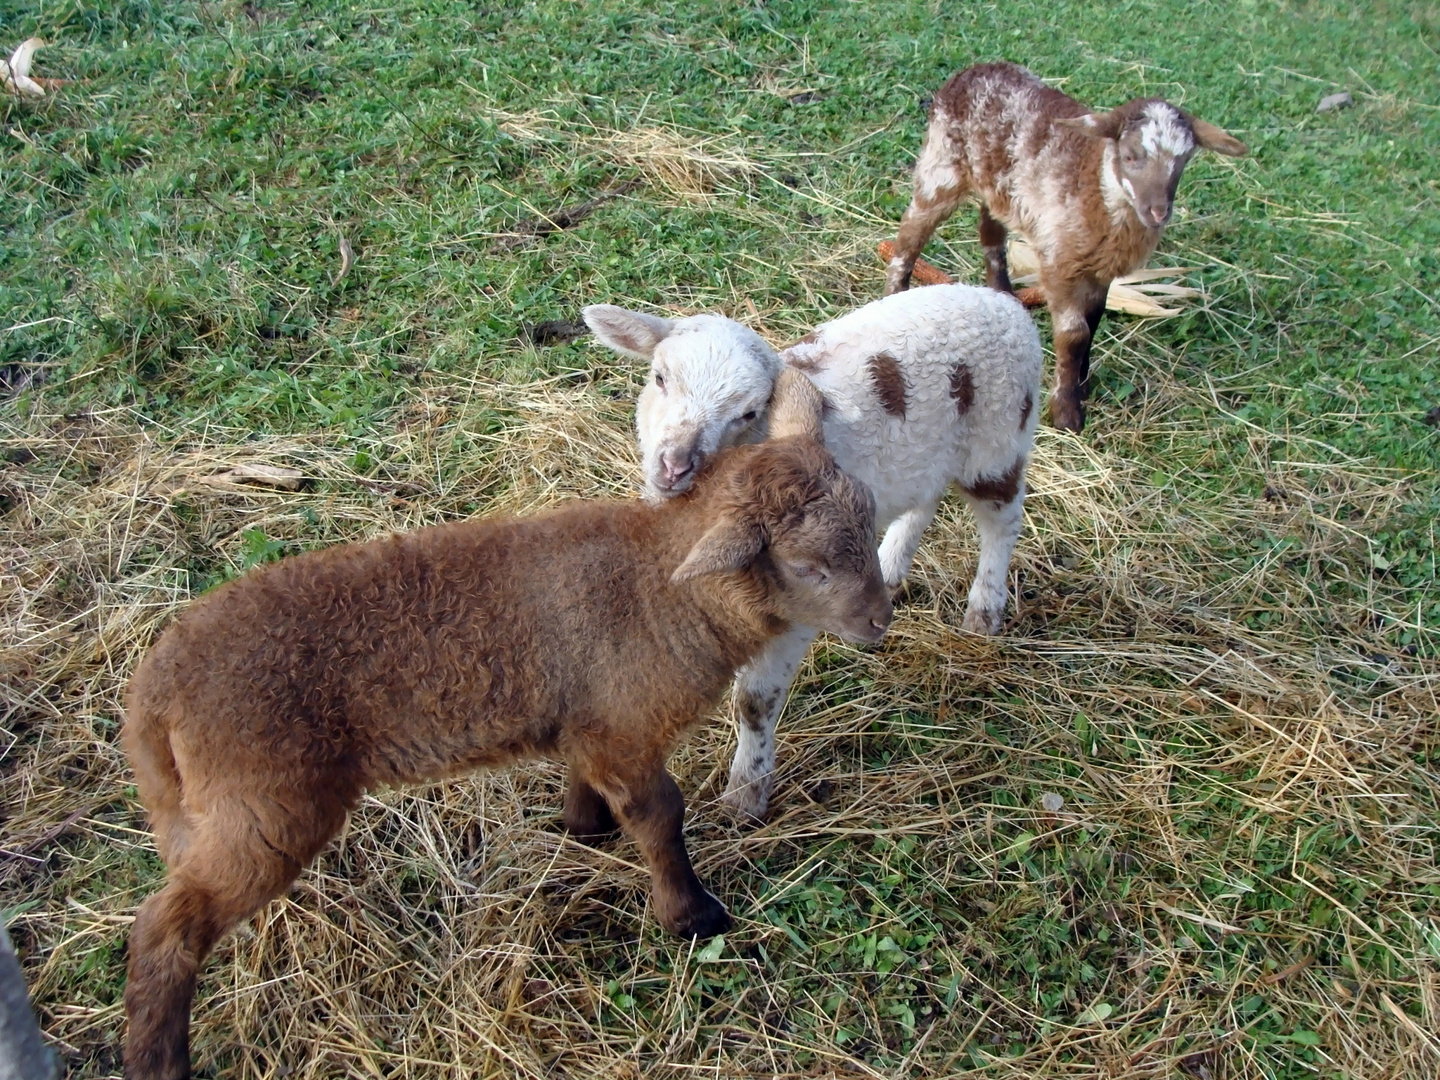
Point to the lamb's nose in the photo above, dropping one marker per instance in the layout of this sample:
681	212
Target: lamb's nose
677	464
1160	213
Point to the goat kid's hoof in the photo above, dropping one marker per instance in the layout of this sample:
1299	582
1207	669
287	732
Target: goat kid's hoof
703	918
1067	415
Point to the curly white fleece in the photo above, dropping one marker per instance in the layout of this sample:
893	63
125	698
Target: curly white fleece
922	389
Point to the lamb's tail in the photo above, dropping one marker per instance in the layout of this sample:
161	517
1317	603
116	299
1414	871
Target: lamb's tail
146	739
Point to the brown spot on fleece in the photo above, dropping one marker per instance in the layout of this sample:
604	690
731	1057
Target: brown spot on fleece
889	383
999	489
962	388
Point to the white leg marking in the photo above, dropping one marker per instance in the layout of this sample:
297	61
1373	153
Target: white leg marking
999	530
760	691
902	539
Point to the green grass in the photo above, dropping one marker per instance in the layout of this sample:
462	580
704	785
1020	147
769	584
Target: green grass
176	216
1262	488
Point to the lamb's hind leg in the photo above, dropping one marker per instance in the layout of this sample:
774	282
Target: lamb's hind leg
760	691
939	188
221	880
999	508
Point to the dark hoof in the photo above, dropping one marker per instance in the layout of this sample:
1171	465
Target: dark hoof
703	918
1067	415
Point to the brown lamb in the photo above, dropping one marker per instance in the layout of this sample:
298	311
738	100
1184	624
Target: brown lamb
1092	192
596	634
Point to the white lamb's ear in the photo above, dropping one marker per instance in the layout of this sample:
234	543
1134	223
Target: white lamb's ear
1097	125
630	332
726	546
796	407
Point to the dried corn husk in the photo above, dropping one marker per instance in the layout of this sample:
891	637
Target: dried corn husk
1140	293
15	72
255	474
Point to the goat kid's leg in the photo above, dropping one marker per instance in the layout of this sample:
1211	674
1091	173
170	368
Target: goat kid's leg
938	191
1075	314
586	814
215	887
992	243
999	527
761	688
651	810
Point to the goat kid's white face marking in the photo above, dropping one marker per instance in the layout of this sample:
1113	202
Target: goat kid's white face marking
1150	156
709	386
1165	131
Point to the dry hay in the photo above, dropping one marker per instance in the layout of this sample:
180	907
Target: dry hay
455	931
685	164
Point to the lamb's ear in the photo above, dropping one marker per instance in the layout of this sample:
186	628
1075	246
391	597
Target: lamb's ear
727	545
1213	138
1100	125
796	407
630	332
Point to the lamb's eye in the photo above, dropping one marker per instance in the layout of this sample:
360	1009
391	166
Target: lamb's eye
748	416
810	573
660	380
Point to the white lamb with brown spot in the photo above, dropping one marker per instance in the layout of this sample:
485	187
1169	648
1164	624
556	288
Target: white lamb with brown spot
1092	192
919	390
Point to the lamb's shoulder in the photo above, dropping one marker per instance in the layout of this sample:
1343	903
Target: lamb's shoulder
919	351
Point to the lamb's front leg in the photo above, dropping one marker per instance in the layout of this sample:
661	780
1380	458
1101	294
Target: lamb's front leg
651	810
998	522
760	691
902	540
586	814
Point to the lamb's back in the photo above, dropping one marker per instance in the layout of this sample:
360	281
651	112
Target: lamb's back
926	386
429	652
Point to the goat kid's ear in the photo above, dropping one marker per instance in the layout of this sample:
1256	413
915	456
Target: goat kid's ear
630	332
1097	125
726	546
796	407
1213	138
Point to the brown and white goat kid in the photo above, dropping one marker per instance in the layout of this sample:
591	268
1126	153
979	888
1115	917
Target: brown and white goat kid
595	634
1092	192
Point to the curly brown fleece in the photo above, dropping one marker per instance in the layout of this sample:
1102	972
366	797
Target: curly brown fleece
596	634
